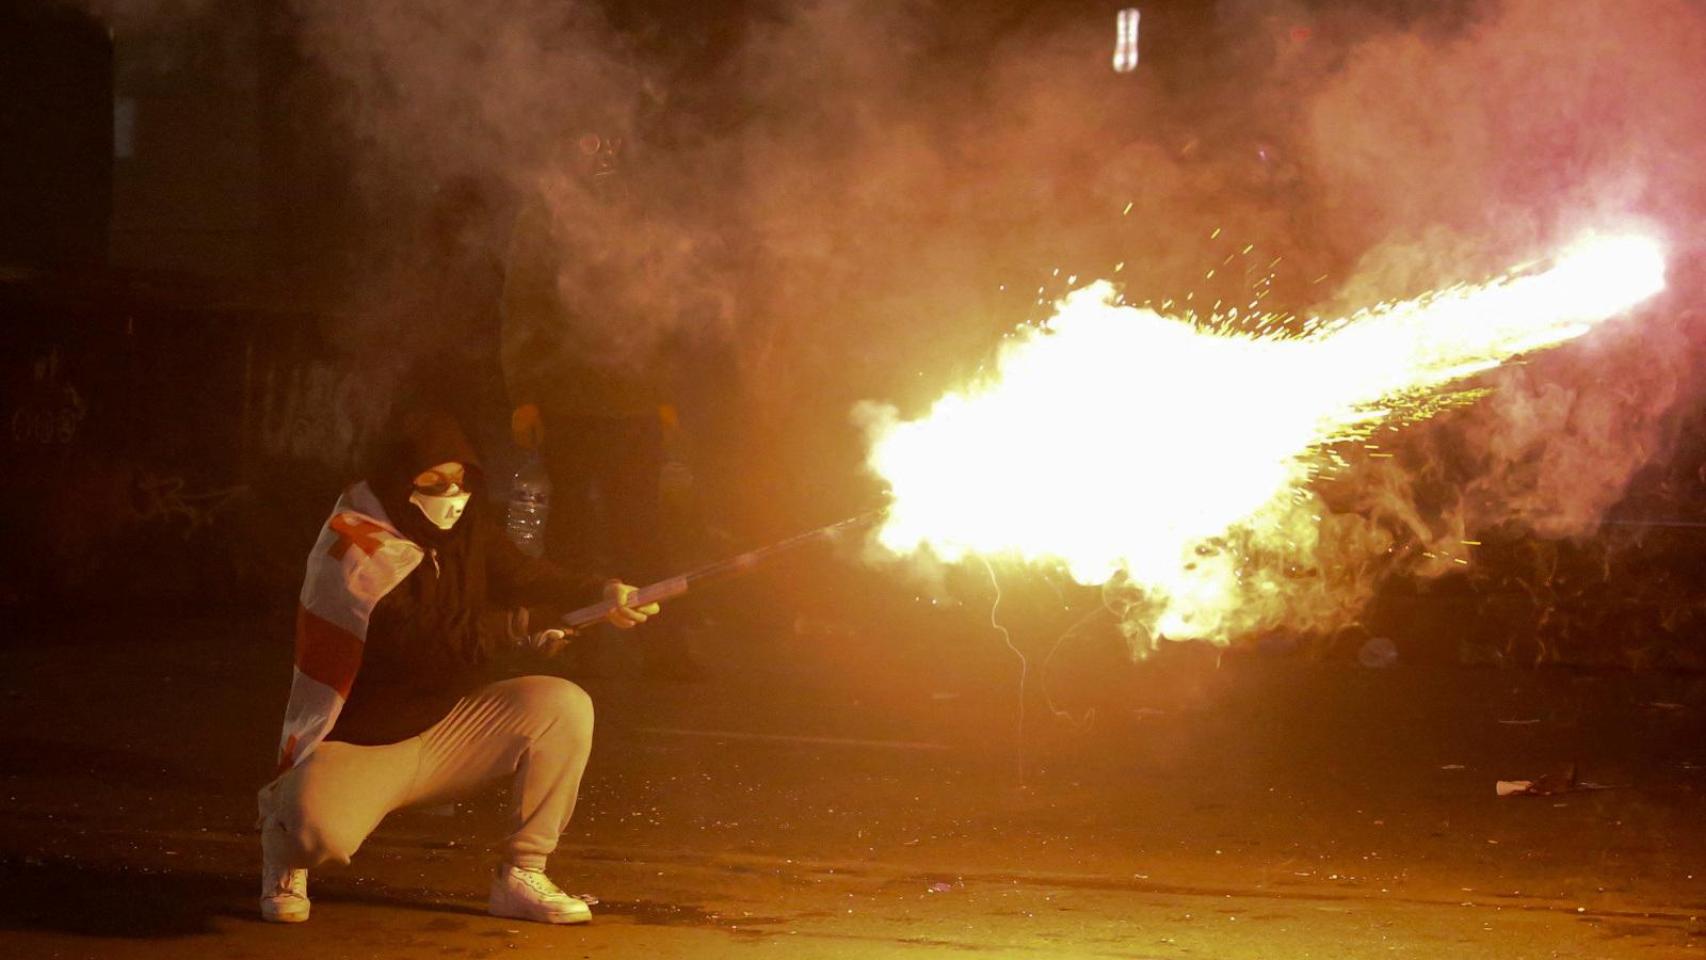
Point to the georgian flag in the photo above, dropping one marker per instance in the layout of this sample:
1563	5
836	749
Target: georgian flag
358	559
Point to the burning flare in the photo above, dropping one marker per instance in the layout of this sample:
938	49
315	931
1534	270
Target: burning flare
1117	441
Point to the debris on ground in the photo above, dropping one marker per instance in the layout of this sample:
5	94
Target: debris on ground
943	886
1549	785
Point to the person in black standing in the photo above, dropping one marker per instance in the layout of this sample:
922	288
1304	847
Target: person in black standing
583	364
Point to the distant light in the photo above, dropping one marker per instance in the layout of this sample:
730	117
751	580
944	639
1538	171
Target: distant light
1125	42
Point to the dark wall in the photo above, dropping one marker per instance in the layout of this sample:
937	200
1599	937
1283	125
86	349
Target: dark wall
159	453
56	128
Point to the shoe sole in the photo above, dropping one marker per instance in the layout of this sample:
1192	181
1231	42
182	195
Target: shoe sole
558	918
274	915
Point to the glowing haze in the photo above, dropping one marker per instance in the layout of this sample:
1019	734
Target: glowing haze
1119	441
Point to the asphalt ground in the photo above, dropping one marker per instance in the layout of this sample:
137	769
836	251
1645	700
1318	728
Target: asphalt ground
837	790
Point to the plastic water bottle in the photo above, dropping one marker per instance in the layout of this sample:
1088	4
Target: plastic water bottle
529	507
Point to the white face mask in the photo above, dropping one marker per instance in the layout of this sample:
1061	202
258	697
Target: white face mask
442	510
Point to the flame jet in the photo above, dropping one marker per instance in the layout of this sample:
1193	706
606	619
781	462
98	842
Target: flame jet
1116	440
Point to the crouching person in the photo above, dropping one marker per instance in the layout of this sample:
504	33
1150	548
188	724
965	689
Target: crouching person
393	701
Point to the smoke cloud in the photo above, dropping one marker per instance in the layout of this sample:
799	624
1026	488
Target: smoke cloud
1428	154
860	198
1531	123
1536	121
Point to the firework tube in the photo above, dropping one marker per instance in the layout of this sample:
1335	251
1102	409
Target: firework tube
723	569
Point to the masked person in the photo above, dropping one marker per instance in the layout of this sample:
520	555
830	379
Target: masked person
393	701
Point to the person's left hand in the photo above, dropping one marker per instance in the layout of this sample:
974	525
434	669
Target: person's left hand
622	616
551	642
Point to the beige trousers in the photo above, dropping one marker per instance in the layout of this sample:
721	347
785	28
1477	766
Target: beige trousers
536	729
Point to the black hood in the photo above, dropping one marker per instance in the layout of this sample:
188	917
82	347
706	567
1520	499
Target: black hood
419	439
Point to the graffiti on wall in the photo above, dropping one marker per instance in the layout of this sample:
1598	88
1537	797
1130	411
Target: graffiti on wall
51	409
168	500
319	412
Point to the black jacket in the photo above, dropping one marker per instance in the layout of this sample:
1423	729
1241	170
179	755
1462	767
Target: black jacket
436	636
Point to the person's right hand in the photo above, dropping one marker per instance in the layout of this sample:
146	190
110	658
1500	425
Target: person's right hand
527	427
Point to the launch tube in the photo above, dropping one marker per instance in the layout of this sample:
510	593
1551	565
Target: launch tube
675	586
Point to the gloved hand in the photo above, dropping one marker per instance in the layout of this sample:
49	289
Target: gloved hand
527	427
623	616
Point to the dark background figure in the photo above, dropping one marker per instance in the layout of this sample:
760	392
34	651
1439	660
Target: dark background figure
593	406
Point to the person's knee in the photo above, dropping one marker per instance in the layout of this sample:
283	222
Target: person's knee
322	843
560	705
306	826
301	838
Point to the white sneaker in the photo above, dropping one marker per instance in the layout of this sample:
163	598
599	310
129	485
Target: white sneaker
284	894
524	893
